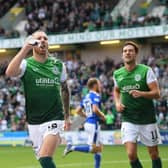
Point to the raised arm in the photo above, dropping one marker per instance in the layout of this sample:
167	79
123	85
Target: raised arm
13	68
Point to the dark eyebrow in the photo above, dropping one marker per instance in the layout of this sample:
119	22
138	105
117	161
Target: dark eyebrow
45	37
128	49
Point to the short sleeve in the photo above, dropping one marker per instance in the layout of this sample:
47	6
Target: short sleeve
115	82
151	77
64	74
96	100
23	66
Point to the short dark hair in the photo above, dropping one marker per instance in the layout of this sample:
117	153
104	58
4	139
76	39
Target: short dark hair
39	30
136	47
91	82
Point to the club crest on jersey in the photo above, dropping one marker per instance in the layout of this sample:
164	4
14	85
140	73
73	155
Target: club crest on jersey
55	70
137	77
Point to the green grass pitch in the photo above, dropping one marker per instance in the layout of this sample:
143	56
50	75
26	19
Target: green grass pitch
113	157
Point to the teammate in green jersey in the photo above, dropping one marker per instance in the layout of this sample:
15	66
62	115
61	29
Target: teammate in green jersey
46	93
135	87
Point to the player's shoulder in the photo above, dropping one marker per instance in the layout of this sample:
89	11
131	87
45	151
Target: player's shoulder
85	98
119	71
143	66
29	59
94	96
55	60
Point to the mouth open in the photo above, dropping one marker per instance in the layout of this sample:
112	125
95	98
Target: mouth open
42	46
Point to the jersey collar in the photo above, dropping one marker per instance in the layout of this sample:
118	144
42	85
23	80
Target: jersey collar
91	91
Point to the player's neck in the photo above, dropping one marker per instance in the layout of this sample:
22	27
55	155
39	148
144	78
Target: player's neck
94	91
40	58
130	67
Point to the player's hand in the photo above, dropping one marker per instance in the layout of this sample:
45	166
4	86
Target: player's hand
120	107
29	43
135	93
67	124
103	118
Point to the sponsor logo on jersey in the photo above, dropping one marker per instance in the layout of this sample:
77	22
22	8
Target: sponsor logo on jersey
137	77
46	81
130	87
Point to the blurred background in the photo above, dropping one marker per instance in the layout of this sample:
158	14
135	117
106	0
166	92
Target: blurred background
87	36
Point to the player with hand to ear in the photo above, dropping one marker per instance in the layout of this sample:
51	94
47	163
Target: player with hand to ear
47	95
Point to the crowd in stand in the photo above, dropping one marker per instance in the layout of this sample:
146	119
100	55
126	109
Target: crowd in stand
64	16
4	34
71	16
6	5
77	16
12	102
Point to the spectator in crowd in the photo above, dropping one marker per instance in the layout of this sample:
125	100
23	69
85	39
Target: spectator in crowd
2	31
110	119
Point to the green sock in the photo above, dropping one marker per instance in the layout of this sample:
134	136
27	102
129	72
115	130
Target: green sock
136	164
47	162
157	163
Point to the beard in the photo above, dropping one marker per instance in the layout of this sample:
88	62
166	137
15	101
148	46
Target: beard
40	51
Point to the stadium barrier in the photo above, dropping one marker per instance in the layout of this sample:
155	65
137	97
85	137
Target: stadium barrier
13	138
21	138
96	36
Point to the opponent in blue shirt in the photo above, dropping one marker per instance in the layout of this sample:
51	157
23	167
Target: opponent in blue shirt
90	108
91	99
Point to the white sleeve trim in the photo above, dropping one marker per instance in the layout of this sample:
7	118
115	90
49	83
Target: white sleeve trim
64	74
151	77
115	82
22	67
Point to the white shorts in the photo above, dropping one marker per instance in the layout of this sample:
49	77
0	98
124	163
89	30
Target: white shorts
148	134
38	132
93	131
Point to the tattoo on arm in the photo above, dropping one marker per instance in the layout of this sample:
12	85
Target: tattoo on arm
66	99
